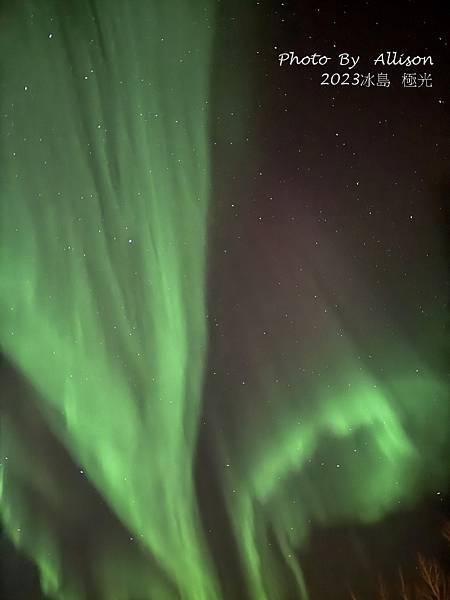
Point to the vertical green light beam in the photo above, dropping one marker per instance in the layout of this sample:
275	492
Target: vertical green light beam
105	182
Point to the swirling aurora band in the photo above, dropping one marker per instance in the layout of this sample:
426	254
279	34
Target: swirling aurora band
106	191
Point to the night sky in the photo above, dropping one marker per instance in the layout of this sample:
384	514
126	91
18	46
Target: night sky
223	307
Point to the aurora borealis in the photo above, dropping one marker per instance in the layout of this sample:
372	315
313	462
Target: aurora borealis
196	376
